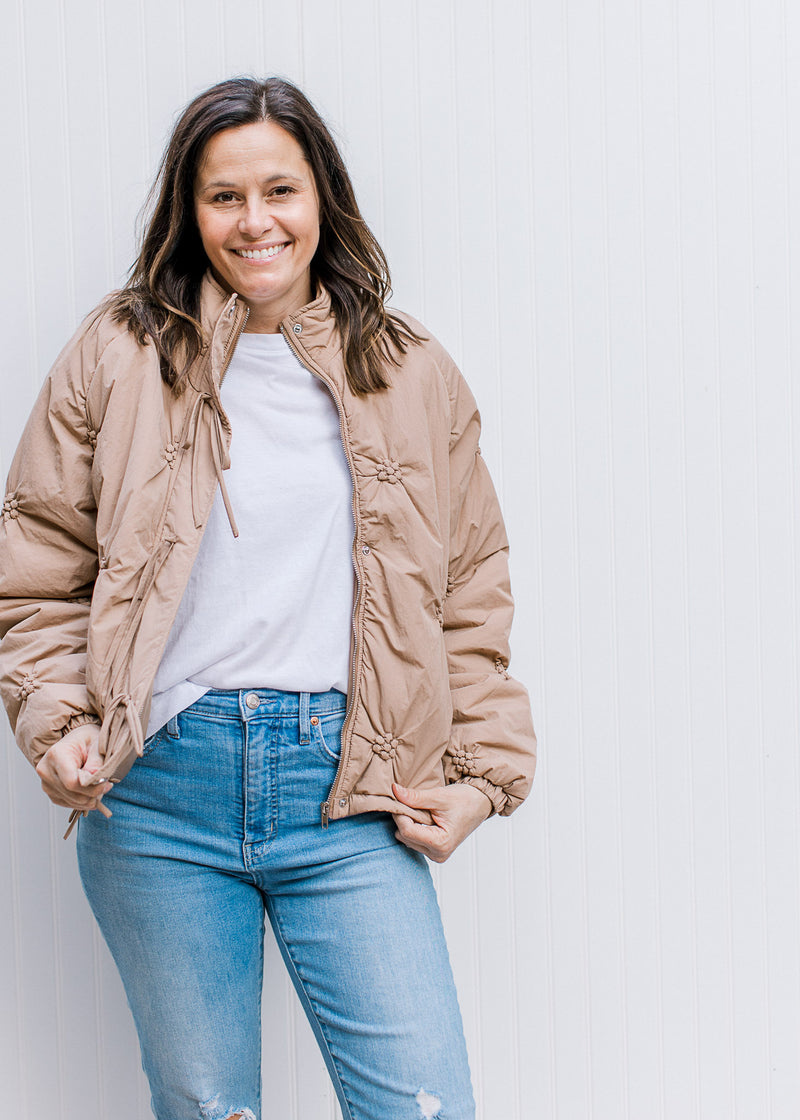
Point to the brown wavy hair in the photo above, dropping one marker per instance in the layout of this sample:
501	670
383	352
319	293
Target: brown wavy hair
161	300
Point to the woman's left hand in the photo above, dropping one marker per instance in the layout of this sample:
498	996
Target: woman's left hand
456	809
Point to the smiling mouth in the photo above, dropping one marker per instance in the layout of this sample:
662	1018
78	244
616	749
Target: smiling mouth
261	254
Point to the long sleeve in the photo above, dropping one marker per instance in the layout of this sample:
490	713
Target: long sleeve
493	745
48	562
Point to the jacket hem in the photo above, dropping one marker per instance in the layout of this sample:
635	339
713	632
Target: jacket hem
376	802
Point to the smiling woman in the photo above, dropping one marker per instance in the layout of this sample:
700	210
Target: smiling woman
287	718
258	216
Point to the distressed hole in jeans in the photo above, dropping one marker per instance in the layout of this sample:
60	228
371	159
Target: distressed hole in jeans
429	1105
212	1110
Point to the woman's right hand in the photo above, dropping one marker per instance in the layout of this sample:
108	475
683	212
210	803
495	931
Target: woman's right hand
67	770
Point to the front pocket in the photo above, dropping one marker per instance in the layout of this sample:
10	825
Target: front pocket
152	742
326	735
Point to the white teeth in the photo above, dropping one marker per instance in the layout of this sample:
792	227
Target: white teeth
258	254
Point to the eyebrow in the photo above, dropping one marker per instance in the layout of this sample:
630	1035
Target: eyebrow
222	184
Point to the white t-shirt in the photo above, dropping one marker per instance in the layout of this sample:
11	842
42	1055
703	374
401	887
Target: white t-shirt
273	607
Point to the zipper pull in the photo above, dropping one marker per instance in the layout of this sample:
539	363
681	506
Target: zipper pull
325	809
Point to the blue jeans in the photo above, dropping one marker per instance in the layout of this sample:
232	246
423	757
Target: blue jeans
220	821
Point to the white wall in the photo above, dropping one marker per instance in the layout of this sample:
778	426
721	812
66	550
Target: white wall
596	205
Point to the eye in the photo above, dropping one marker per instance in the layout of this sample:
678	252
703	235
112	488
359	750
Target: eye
283	191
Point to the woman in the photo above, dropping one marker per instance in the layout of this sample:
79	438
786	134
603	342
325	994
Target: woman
254	613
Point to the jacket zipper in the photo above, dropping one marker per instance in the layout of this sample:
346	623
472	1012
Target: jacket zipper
325	808
147	584
230	347
155	562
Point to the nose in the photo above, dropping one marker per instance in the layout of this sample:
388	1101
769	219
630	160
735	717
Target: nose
256	219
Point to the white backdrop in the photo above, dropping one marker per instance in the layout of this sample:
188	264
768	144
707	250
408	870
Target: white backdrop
595	204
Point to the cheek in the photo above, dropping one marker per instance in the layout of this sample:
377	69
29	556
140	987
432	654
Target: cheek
212	232
311	225
313	234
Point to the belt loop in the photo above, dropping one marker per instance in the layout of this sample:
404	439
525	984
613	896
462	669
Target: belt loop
305	726
173	729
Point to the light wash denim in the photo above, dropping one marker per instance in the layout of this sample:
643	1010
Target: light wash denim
220	821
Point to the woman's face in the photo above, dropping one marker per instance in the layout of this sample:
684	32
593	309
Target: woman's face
258	214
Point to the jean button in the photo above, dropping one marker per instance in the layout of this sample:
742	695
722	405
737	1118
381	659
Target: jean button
251	700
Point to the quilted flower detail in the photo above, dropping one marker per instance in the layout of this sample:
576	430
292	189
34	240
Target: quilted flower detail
170	453
464	761
29	685
386	747
91	436
389	471
10	508
501	667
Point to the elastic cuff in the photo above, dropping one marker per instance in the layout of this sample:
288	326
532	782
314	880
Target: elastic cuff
497	796
78	720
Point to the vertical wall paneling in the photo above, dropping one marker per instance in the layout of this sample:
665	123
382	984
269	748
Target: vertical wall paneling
679	990
775	552
783	864
595	205
17	283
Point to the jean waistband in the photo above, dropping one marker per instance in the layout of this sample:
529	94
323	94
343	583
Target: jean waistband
250	702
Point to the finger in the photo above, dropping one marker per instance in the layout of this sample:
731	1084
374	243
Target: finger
56	787
61	782
59	796
438	854
92	761
78	779
404	795
61	770
430	840
409	827
419	798
410	844
86	775
83	798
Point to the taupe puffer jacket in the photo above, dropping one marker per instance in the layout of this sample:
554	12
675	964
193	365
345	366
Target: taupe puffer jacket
107	499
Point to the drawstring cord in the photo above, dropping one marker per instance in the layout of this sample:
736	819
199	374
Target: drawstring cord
219	456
